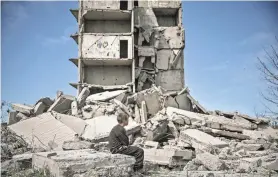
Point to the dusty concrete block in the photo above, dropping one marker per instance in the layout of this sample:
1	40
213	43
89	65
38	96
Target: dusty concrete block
210	161
43	132
40	108
27	110
190	166
104	96
62	104
200	139
170	157
75	145
144	113
87	162
82	96
13	118
151	144
76	124
98	128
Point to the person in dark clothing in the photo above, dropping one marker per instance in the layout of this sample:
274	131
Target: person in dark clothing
119	142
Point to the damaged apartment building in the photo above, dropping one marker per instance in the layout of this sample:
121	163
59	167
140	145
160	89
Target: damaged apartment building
129	45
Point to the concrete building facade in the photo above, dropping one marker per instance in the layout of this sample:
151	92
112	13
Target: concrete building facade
129	45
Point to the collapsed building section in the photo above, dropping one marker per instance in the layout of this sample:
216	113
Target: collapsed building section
129	45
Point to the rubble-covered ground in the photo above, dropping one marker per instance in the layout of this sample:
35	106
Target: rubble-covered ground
67	136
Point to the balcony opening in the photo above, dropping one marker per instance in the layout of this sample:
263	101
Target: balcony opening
123	49
123	4
135	3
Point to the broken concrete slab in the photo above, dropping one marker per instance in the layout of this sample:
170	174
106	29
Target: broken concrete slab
215	122
104	96
210	161
170	102
76	145
271	165
98	128
25	109
12	118
249	164
40	108
169	157
20	116
122	106
87	162
173	129
62	104
230	134
122	97
76	124
200	139
82	96
196	104
253	134
249	147
170	80
157	132
46	101
40	132
137	115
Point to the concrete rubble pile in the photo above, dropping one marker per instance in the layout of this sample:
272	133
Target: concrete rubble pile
68	135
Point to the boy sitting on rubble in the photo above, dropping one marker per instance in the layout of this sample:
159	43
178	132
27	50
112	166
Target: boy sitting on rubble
119	142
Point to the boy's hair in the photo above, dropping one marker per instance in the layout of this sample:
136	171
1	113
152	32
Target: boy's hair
122	117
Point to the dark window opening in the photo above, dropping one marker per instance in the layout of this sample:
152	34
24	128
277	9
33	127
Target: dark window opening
135	3
123	4
123	49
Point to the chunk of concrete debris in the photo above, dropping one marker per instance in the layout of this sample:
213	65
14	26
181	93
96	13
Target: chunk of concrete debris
75	145
271	165
82	96
157	132
169	157
76	124
98	128
137	115
249	147
39	131
144	113
12	118
99	109
62	104
210	161
253	134
151	144
122	106
46	101
173	129
89	162
74	108
104	96
183	102
20	116
122	97
190	166
216	122
40	108
27	110
230	134
249	164
200	139
170	102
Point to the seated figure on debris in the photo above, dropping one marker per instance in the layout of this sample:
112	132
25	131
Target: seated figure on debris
119	142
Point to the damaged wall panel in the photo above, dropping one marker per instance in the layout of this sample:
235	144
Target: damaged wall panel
108	75
170	37
96	46
160	4
170	79
107	4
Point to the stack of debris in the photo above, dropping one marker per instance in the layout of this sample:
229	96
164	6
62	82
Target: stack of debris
174	130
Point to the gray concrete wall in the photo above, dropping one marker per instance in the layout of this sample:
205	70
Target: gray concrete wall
170	79
105	4
107	26
108	75
160	4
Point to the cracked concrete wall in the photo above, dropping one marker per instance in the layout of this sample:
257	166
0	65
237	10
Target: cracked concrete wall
98	46
159	31
105	4
108	26
108	75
